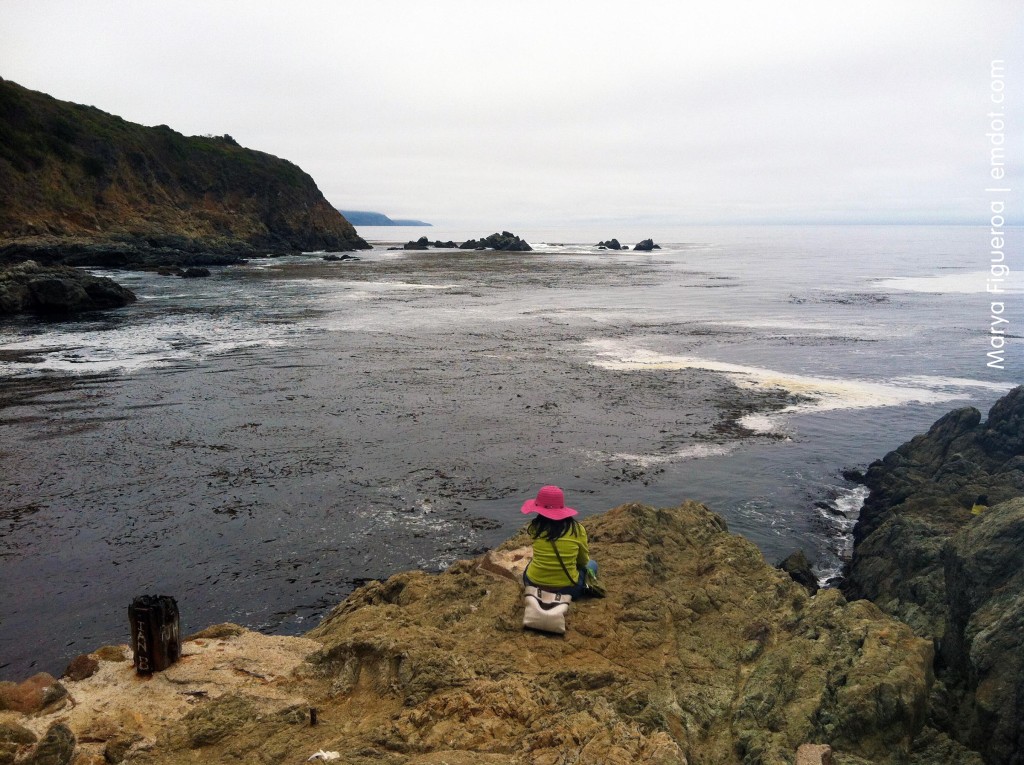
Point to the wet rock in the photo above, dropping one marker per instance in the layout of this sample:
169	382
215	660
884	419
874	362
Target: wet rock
505	241
423	243
39	693
332	257
646	246
611	244
81	667
420	244
853	475
195	272
799	570
30	287
57	747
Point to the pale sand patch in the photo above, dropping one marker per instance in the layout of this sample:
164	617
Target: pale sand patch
117	702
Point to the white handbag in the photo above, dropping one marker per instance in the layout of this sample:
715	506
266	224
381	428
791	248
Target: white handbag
545	611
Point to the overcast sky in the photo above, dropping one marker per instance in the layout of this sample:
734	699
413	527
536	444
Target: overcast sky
532	113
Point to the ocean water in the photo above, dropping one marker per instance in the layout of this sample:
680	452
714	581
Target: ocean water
260	442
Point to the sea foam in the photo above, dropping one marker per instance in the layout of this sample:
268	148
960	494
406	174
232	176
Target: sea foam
818	394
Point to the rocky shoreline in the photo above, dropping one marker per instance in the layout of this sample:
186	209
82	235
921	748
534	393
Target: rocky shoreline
57	290
702	652
953	569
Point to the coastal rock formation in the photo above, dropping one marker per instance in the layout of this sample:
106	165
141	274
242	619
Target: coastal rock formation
83	187
646	245
31	288
506	241
955	576
611	244
423	243
702	652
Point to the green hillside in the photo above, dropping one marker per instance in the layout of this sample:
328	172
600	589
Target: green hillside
73	176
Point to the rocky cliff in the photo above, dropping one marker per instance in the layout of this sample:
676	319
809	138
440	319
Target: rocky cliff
84	187
954	575
701	653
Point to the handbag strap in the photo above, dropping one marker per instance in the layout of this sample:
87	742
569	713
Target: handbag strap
560	562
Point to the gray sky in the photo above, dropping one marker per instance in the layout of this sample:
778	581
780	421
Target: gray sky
533	113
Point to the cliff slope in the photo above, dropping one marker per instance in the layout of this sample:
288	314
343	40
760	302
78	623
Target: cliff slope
701	653
956	577
82	186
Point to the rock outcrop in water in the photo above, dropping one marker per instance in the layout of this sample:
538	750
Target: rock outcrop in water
30	288
701	653
83	187
505	241
957	578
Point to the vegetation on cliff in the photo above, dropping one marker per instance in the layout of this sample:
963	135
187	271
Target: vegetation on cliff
80	185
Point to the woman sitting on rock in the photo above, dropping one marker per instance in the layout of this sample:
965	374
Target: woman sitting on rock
561	553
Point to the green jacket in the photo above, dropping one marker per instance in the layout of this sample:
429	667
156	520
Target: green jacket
574	550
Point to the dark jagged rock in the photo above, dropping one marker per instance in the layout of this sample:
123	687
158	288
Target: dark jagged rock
505	241
31	288
799	570
195	273
920	495
423	243
420	244
332	257
611	244
646	246
982	651
82	187
955	577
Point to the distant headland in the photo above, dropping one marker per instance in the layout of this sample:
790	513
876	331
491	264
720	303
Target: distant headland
367	218
82	187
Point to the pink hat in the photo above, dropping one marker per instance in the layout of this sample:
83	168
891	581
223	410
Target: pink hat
550	503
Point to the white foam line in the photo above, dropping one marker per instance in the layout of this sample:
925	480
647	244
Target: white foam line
972	282
825	393
696	452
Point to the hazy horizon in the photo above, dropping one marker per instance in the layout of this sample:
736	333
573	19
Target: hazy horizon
459	113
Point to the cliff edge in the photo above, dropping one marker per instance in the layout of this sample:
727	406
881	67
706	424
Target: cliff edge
953	569
83	187
701	653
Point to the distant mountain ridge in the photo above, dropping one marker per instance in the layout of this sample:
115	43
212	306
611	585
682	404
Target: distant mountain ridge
367	218
78	184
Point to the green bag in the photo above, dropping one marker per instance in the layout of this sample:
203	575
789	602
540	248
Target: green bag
594	586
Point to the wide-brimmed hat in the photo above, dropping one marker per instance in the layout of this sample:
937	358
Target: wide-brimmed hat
550	503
